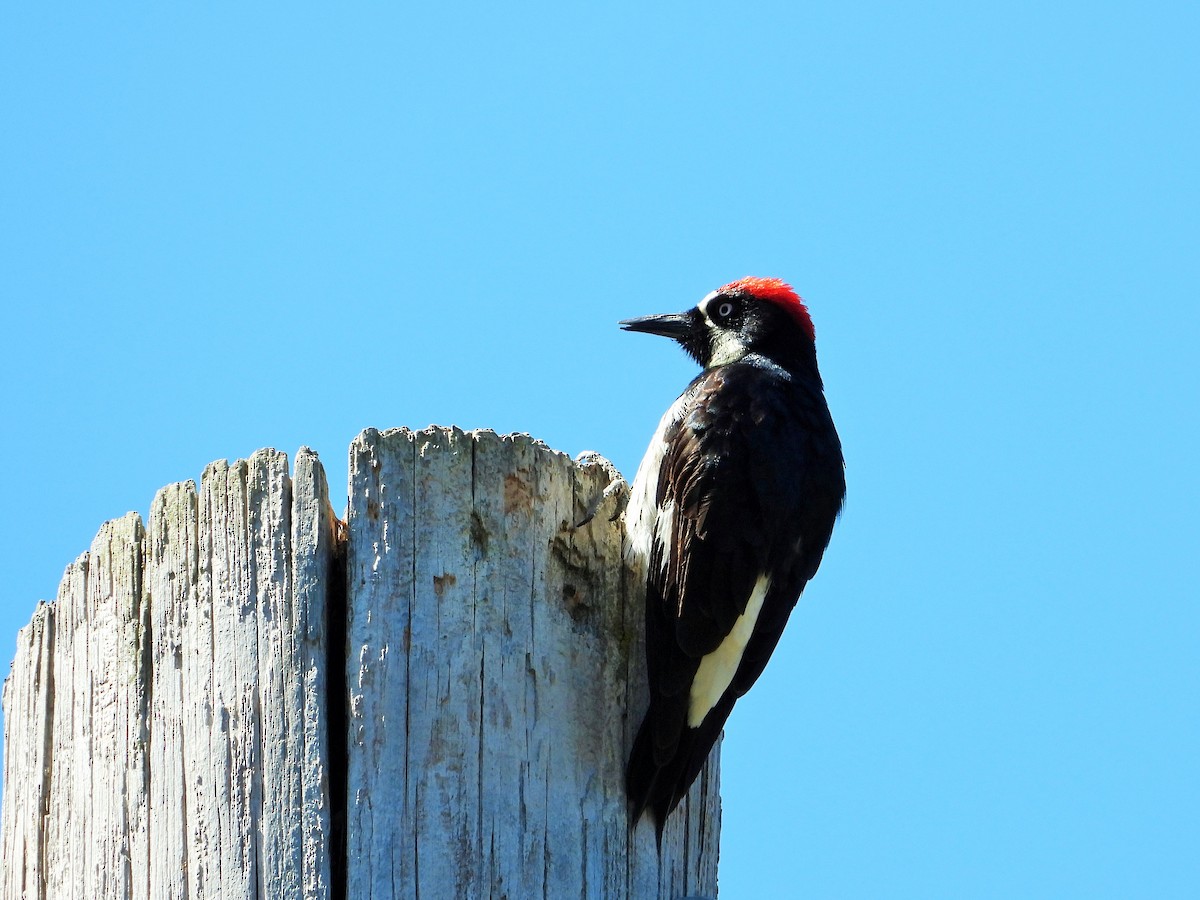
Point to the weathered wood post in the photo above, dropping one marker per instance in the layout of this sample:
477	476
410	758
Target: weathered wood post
250	699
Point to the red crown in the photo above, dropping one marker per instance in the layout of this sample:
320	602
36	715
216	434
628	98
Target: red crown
776	290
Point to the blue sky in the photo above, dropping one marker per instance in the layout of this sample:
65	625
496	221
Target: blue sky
224	229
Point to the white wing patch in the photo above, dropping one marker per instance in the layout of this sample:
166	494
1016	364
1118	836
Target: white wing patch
718	668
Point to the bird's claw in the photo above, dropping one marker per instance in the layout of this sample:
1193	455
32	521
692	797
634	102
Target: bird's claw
616	487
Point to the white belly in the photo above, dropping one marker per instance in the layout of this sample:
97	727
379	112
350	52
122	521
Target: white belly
644	522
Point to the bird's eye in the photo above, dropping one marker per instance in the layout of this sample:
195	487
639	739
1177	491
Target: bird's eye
725	310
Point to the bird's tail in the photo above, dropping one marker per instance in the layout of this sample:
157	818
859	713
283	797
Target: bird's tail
658	777
648	784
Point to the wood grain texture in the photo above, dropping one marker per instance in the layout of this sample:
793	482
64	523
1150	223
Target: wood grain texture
495	675
97	830
28	717
164	721
247	700
314	538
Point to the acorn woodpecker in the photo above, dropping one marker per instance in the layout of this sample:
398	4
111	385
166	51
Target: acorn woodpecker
728	517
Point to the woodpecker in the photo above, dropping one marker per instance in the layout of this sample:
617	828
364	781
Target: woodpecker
729	515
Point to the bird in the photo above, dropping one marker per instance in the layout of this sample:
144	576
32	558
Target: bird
728	517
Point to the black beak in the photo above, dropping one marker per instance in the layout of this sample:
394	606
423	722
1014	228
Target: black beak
672	325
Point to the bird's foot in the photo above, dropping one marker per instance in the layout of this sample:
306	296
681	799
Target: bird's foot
615	493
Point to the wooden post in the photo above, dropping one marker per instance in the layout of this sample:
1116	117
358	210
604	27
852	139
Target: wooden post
249	700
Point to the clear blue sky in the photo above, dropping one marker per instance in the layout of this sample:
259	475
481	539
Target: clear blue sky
224	229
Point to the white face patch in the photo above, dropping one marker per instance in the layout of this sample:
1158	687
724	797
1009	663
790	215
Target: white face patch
727	346
718	668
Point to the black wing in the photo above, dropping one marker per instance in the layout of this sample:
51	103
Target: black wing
740	461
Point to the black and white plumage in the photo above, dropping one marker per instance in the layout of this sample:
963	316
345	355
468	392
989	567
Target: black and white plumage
729	515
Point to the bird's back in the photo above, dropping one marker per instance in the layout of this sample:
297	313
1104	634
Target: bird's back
734	516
